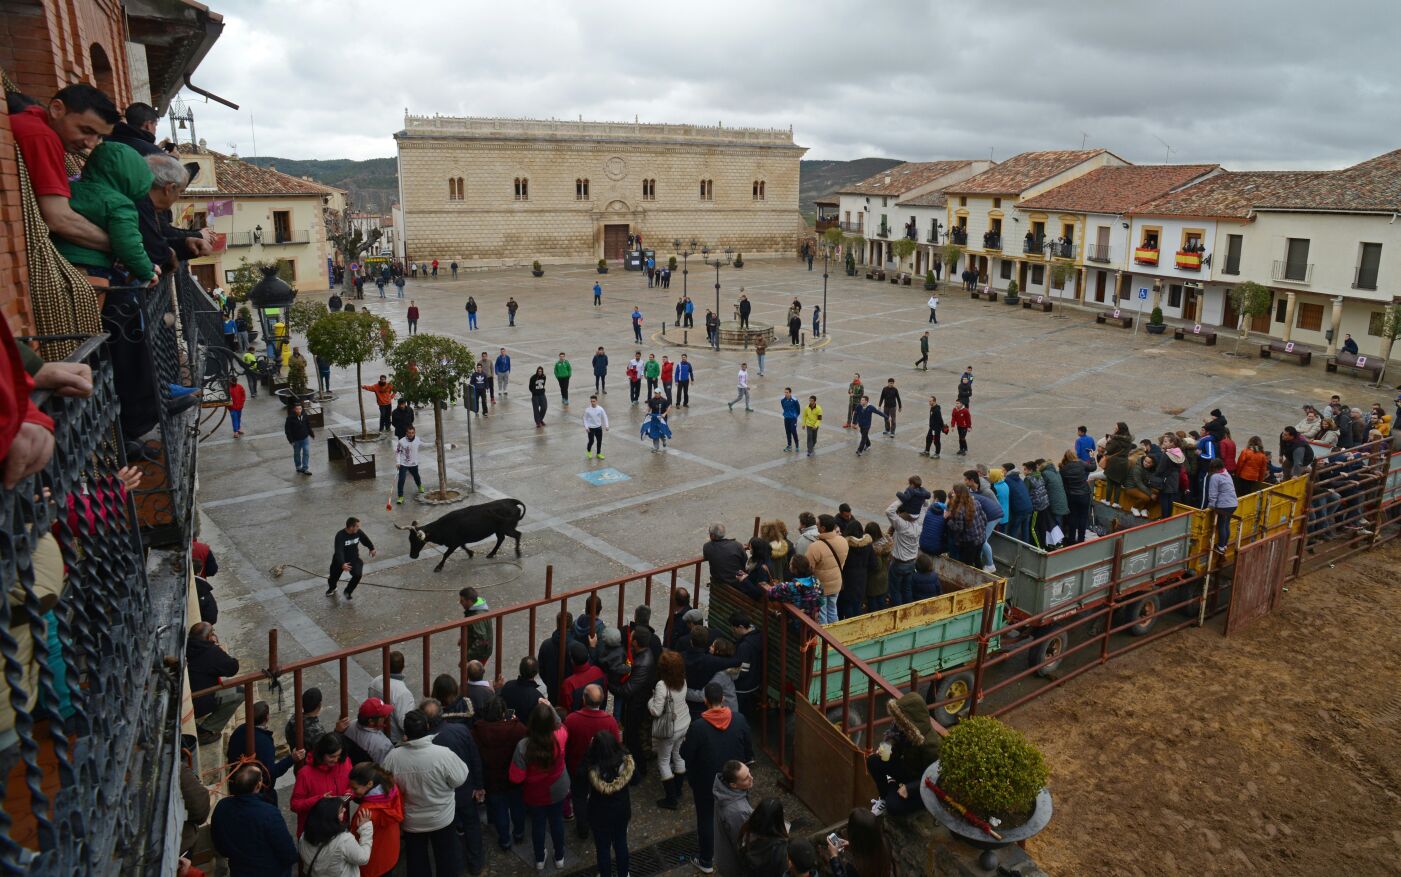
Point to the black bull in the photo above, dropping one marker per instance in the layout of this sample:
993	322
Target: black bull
461	528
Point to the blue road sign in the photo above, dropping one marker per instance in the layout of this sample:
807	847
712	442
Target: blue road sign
599	477
1143	293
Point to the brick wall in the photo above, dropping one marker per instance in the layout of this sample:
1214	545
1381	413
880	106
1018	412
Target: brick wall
489	227
14	272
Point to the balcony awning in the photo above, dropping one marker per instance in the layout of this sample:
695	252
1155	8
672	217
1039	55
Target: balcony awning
177	35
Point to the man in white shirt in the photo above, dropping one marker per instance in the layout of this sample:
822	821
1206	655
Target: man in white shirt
743	387
399	695
406	455
933	309
595	423
428	776
635	376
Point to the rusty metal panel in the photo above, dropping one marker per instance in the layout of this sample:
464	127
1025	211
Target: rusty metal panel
1257	581
829	771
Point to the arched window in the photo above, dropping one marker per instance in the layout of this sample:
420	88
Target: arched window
461	190
707	190
581	189
522	189
649	190
455	189
761	190
102	75
756	190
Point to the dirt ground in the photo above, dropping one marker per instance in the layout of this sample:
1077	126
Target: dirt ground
1277	751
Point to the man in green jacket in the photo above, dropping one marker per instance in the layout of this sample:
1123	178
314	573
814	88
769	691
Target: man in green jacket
923	361
563	370
115	177
652	370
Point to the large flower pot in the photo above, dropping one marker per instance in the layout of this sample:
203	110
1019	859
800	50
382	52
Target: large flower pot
1155	328
976	837
1011	300
602	269
540	273
289	398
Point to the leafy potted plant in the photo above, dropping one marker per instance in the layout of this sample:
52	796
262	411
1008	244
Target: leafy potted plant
1011	297
602	266
988	786
739	260
671	263
929	282
850	264
1156	326
351	338
536	269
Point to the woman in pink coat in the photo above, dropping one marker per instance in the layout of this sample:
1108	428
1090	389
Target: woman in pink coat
326	774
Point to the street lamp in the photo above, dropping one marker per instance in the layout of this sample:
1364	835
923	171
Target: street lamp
685	255
717	263
826	260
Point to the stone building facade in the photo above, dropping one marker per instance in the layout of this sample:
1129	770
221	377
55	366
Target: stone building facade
489	192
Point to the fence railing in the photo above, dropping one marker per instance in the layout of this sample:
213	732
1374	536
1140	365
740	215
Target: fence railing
1097	253
91	637
1291	272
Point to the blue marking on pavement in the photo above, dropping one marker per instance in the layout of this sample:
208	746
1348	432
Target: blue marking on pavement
598	477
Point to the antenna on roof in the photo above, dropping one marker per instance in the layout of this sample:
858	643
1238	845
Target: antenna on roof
1167	150
1083	137
991	149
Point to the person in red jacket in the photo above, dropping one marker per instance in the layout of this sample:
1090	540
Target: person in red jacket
538	766
326	773
237	396
582	725
962	420
668	373
571	690
372	787
26	433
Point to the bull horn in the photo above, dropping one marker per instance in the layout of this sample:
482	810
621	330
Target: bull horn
397	527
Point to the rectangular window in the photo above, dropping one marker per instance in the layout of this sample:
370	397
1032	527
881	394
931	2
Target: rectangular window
1310	317
202	221
1006	269
962	200
1150	238
1192	240
1369	260
1038	275
1233	248
1067	231
1296	259
1175	295
1281	305
996	203
282	226
1376	323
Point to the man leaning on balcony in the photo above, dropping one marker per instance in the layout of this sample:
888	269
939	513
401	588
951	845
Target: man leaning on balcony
75	120
207	662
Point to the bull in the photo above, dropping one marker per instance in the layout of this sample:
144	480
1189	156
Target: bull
460	528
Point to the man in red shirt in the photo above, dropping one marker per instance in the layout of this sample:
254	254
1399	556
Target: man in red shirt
76	120
571	690
582	725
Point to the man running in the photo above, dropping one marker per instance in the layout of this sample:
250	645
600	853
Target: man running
743	386
862	417
595	424
923	361
406	456
655	427
345	557
791	410
937	428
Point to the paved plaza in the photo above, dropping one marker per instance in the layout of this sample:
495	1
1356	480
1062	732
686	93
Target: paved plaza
1037	377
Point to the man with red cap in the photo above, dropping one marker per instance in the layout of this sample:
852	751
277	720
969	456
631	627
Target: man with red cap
368	738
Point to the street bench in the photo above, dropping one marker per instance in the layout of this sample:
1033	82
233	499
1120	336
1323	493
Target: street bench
875	274
989	295
1196	333
1280	349
1116	317
1038	302
1361	366
357	464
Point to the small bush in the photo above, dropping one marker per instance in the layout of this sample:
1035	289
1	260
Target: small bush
929	277
671	263
991	769
1012	288
535	266
602	263
1156	318
296	375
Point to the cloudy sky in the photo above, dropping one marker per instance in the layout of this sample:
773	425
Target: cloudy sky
1244	83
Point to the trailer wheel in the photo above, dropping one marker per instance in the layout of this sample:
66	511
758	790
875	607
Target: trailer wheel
958	685
1048	651
1143	613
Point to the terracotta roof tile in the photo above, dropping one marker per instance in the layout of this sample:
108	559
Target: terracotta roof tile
1021	172
1116	189
905	177
233	176
937	198
1229	195
1372	186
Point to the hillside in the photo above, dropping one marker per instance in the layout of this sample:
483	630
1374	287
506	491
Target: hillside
373	183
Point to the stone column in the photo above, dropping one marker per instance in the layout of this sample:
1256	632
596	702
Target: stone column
1291	304
1337	324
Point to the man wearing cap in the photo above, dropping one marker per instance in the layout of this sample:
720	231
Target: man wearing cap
370	733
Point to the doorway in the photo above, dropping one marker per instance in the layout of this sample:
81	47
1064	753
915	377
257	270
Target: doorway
1100	284
205	275
615	241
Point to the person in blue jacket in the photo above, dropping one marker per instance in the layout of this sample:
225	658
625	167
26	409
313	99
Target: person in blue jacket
597	294
1018	504
250	832
600	372
791	410
685	373
264	749
862	417
690	319
925	582
1004	500
503	370
931	535
1084	445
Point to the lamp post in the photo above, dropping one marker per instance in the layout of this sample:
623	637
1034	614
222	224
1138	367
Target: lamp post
717	263
685	256
826	261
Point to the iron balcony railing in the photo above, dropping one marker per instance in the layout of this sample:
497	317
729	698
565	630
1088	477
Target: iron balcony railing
1062	249
1296	272
959	236
1364	277
883	231
1097	253
992	241
267	238
92	640
855	227
1035	246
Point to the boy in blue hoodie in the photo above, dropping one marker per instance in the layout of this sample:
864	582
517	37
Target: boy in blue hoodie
791	410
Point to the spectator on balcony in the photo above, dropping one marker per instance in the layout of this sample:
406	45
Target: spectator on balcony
75	120
249	831
264	750
206	662
114	179
164	242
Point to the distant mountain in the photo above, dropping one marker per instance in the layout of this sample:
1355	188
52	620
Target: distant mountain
817	178
373	184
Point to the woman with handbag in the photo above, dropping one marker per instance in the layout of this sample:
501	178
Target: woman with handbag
671	718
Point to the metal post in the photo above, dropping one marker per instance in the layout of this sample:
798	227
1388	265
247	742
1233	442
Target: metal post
826	257
471	460
297	718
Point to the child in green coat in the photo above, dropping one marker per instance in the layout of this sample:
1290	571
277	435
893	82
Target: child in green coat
114	178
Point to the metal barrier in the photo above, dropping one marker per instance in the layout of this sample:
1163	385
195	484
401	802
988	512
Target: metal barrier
91	637
1350	504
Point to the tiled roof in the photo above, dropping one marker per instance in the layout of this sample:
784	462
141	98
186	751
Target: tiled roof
905	177
937	198
828	200
1373	185
1021	172
1116	189
1229	195
235	177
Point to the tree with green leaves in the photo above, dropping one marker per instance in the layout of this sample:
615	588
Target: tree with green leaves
247	275
833	237
857	244
951	253
430	370
1391	330
304	313
903	248
347	339
1250	299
